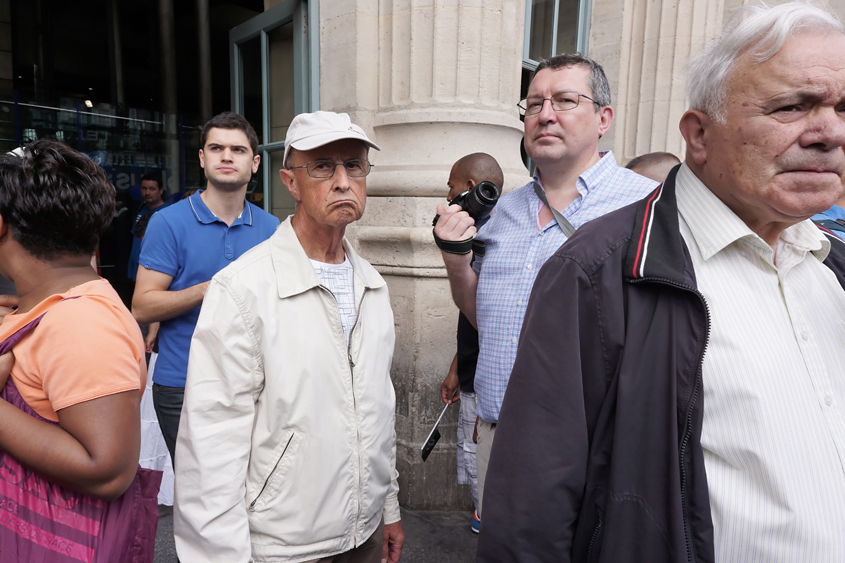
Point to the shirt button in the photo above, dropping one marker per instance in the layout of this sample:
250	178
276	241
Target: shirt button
528	266
519	302
828	400
805	335
514	340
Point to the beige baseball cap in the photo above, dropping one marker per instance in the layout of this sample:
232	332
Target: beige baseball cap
311	130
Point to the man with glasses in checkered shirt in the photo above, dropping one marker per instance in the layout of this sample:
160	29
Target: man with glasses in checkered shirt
566	112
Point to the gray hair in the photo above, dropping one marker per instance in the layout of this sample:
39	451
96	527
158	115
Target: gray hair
599	87
760	30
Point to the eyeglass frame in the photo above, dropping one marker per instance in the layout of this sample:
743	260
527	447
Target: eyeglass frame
334	167
524	111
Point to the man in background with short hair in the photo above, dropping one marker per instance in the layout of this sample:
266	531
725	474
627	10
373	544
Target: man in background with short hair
654	165
186	244
466	173
152	197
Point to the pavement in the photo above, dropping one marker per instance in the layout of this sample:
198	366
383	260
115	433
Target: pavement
430	537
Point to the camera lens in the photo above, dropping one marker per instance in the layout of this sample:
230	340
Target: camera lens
487	193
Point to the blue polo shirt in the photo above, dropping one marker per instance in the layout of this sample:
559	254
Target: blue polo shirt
187	241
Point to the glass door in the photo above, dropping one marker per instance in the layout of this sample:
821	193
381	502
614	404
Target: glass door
274	62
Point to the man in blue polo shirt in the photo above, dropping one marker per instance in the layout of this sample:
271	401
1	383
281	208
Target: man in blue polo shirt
189	242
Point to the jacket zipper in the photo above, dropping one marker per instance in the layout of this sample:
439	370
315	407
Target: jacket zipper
270	476
354	400
690	408
594	538
355	410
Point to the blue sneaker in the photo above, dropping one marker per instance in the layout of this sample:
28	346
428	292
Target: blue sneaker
476	523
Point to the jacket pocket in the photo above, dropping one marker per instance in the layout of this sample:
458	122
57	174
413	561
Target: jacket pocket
283	473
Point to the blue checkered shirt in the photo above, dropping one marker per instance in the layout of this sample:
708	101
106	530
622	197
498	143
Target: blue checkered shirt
516	250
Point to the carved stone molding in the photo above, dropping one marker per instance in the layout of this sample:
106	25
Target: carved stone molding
644	46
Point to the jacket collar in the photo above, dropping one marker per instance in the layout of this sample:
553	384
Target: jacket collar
294	271
657	249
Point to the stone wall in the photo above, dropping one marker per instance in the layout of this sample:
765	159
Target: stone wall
643	46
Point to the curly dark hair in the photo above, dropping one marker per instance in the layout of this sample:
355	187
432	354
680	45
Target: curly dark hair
230	120
56	201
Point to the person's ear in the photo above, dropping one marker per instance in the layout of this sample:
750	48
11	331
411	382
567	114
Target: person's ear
470	184
693	127
256	160
289	179
605	120
202	159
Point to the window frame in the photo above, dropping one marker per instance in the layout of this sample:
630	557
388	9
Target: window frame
581	41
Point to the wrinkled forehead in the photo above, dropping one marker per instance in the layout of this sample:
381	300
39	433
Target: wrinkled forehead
807	62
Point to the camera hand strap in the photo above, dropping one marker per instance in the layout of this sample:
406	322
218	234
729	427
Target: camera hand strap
473	245
562	221
453	246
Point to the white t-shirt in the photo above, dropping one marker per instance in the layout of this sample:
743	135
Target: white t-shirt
340	280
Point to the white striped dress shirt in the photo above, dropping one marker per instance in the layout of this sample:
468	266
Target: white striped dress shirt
774	385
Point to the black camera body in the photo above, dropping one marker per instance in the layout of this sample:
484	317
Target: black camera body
477	202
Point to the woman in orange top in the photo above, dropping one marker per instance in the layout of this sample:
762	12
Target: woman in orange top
83	366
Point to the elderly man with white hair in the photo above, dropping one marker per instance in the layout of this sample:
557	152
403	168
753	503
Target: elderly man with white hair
677	394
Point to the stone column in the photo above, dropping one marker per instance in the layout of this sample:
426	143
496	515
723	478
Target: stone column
430	82
644	46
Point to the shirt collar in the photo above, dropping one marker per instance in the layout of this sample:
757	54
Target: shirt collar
294	271
204	215
714	226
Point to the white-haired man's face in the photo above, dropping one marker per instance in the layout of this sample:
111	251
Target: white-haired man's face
778	158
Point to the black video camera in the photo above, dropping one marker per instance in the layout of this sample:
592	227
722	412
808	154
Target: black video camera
477	202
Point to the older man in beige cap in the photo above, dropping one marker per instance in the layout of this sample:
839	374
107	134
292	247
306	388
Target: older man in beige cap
287	448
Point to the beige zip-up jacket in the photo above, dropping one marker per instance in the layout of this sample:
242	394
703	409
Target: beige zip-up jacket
286	447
